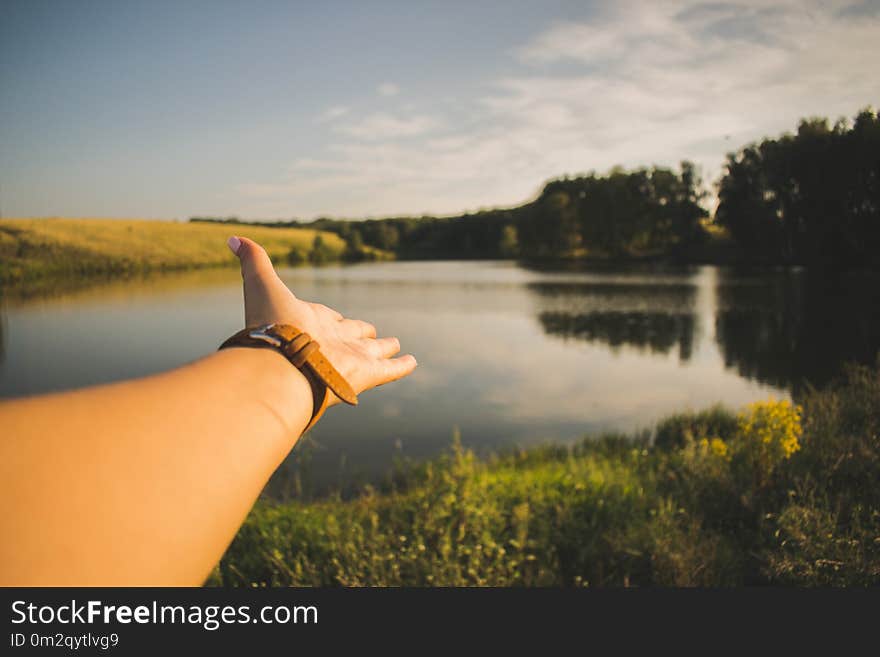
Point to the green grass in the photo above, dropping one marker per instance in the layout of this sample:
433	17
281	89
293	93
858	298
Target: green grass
40	249
769	496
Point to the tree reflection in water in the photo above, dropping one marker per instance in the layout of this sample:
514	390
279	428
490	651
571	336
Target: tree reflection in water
782	327
794	328
657	331
644	311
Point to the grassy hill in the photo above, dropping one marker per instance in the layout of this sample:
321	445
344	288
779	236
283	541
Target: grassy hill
35	249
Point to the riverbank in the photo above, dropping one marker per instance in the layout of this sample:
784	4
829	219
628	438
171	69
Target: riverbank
777	494
714	247
34	251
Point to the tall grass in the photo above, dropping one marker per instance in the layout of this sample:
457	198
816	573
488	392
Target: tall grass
777	494
34	249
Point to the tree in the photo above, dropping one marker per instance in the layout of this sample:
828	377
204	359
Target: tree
508	245
811	198
354	245
623	213
321	252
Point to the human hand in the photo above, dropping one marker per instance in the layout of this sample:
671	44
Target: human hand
350	345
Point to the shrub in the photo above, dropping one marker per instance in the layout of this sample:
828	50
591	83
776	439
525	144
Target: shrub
674	431
296	257
768	433
321	253
816	547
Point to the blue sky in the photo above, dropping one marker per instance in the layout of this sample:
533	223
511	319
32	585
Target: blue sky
302	109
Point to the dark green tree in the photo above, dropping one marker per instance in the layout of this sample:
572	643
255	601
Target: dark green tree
809	198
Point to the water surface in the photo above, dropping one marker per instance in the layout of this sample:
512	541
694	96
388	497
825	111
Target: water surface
507	355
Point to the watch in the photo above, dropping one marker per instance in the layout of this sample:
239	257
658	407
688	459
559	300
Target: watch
303	353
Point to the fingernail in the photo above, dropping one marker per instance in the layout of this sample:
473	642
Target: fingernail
234	244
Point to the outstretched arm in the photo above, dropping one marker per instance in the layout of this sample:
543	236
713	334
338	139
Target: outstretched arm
146	482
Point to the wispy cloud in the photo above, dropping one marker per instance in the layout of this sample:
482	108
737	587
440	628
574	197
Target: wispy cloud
388	89
381	126
332	113
668	80
639	83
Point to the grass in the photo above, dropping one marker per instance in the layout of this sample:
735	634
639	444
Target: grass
41	249
776	494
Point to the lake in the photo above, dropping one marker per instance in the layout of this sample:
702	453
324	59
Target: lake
508	355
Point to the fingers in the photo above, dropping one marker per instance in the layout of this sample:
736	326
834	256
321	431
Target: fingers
384	347
397	368
357	328
255	262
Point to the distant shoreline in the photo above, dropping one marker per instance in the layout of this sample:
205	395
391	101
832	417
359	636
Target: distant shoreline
39	256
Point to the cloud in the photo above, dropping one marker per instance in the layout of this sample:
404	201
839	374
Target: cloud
382	126
388	89
671	79
637	84
332	113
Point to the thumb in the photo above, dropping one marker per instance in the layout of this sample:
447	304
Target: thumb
262	287
255	262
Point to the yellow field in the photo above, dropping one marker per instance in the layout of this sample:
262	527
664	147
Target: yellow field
38	248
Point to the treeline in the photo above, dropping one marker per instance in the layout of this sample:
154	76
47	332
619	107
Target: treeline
808	198
624	213
489	234
642	212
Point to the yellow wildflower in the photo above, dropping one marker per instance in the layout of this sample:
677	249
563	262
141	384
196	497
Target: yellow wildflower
716	447
773	428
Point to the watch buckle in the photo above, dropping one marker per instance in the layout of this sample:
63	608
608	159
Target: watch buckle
262	333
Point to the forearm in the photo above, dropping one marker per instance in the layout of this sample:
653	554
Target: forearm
147	481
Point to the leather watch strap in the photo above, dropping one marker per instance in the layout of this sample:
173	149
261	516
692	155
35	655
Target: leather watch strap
304	354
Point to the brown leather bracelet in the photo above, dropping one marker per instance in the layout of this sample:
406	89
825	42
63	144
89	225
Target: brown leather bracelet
303	353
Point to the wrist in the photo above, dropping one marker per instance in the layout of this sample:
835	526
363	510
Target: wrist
271	380
304	353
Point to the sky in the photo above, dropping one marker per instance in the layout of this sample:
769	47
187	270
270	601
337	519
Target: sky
265	109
